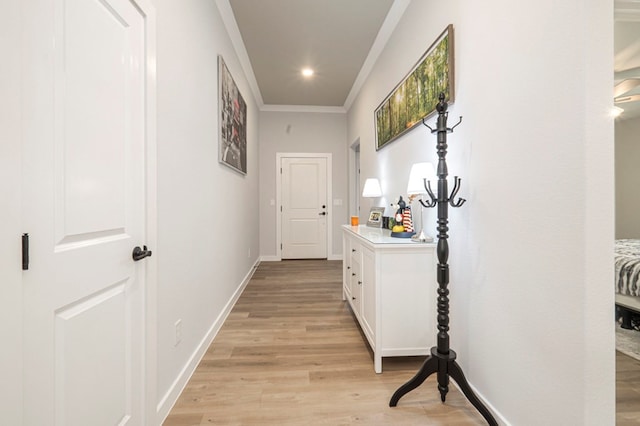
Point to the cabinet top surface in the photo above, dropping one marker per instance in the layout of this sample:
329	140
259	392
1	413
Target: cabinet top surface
381	236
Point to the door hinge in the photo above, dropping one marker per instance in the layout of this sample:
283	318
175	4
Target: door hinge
280	170
25	251
280	246
280	208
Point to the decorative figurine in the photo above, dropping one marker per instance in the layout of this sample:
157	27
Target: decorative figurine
407	220
400	205
403	227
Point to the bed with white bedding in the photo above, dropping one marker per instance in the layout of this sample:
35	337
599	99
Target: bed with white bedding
627	279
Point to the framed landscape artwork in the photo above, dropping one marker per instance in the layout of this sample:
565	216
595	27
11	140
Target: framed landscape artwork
416	96
233	121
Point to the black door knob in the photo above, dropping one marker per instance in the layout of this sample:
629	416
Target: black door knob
140	253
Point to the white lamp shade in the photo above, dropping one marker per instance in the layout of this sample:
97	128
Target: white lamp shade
420	172
372	188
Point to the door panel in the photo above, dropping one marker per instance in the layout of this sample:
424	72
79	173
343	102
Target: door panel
89	333
97	83
84	208
304	208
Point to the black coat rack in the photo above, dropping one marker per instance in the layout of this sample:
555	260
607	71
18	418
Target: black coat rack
443	359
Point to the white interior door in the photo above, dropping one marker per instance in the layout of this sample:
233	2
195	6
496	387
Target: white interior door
304	208
84	208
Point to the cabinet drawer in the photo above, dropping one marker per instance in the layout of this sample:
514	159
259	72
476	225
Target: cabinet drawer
355	285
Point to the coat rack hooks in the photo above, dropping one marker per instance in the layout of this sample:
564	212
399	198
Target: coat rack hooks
448	129
442	360
456	188
434	201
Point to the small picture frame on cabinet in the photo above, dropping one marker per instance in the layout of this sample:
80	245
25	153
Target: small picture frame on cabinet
375	217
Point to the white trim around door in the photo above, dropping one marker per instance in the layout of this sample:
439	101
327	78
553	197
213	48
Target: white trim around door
152	416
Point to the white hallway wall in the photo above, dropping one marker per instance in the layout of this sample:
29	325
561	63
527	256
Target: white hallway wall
301	132
627	178
531	294
207	220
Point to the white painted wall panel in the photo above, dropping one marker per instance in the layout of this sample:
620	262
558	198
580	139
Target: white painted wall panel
207	213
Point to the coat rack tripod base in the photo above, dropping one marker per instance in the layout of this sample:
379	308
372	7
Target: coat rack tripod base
442	360
445	366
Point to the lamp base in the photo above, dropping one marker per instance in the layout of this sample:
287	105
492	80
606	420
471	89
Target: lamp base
402	234
421	237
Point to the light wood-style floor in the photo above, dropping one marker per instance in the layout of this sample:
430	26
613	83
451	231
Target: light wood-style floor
627	390
291	353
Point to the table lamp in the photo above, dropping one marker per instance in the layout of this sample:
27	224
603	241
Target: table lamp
420	173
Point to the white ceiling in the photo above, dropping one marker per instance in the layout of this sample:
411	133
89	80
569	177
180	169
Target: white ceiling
333	37
341	39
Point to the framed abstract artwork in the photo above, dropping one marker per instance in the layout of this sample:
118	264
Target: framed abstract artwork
416	96
233	121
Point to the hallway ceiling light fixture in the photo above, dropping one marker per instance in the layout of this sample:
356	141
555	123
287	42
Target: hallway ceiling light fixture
307	72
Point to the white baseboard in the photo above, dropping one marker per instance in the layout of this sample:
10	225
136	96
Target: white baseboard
270	259
496	414
277	259
169	399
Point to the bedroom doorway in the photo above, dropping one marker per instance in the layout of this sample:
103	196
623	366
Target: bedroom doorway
627	198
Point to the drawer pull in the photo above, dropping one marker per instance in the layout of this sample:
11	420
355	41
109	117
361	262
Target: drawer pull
353	298
359	282
353	250
348	267
353	274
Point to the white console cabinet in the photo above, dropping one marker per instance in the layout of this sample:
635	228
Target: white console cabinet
391	286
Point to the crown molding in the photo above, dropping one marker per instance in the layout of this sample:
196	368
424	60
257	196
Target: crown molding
229	20
388	26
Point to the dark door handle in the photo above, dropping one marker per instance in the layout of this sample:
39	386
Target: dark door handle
322	214
140	253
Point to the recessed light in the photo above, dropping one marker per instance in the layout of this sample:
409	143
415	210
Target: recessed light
307	72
